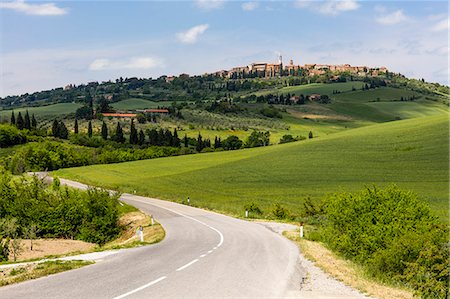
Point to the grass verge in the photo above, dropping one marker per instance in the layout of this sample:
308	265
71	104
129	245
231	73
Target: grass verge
346	271
33	271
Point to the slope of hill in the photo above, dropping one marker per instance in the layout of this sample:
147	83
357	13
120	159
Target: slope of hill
43	112
411	153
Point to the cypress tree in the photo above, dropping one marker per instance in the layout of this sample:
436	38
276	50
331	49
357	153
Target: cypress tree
90	129
55	128
33	122
75	127
27	121
62	131
141	137
104	131
19	122
161	138
153	137
176	140
310	135
168	138
133	133
118	137
199	143
186	143
13	118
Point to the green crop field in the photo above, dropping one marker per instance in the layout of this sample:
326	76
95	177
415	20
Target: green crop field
43	111
320	88
134	103
410	153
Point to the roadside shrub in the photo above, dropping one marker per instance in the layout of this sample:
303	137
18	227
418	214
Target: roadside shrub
390	231
57	212
252	208
279	212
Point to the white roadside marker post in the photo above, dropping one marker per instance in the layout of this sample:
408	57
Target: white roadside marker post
153	220
301	229
141	233
188	200
246	213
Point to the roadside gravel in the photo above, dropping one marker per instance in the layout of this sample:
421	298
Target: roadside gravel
316	284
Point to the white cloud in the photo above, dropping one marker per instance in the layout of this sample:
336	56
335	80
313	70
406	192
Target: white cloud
441	25
44	9
330	7
209	4
248	6
392	18
190	36
135	63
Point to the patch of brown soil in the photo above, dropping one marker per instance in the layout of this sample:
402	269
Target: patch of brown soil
131	222
301	115
48	247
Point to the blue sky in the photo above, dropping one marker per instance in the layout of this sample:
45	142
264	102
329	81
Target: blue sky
45	45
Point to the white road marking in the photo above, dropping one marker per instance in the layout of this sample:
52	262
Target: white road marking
203	255
187	265
178	213
141	288
210	251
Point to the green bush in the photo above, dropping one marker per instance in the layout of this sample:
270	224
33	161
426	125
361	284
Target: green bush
390	231
10	135
252	208
90	216
279	211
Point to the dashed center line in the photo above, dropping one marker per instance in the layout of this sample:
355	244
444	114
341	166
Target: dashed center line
187	265
182	267
141	288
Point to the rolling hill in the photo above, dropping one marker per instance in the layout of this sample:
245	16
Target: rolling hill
410	153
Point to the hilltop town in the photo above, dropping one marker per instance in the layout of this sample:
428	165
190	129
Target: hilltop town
271	70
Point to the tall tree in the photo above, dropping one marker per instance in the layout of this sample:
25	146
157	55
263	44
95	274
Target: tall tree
161	137
176	140
104	131
33	122
90	129
153	137
55	128
168	138
217	142
133	133
62	131
186	142
75	127
13	118
19	122
200	145
141	137
118	137
27	121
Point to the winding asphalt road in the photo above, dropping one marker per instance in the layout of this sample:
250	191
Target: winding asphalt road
204	255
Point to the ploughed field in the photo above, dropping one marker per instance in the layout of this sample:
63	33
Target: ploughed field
411	153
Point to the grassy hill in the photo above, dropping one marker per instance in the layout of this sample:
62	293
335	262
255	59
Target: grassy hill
135	103
411	153
320	88
46	112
